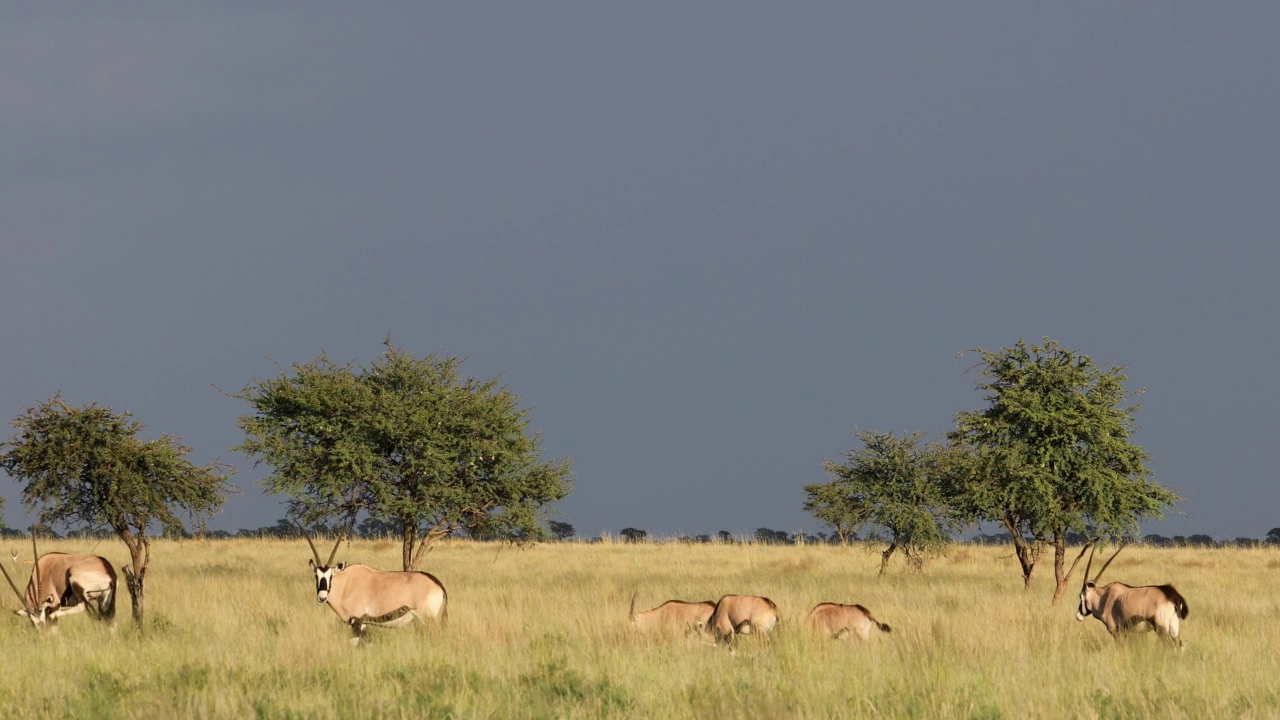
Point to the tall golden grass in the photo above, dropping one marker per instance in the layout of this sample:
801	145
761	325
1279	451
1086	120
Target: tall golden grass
234	631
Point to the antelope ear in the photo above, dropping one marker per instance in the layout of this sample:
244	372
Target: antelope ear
1090	585
22	613
342	566
312	563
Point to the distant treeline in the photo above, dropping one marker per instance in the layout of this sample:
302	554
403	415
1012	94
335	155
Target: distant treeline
371	529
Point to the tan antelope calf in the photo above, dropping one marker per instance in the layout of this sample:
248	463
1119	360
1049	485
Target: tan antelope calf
841	621
673	616
742	615
1122	607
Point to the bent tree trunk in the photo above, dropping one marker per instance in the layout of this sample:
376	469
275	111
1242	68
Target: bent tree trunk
1060	573
1027	552
410	540
135	574
884	557
136	581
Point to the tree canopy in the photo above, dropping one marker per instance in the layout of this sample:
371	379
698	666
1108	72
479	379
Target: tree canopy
87	466
1053	453
895	482
407	440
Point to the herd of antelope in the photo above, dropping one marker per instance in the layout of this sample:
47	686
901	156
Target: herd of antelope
62	584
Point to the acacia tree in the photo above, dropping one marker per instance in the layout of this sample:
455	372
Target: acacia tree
88	466
897	483
407	440
1054	454
843	512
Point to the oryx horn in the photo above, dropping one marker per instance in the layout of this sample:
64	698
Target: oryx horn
1087	566
335	551
306	535
35	570
1108	562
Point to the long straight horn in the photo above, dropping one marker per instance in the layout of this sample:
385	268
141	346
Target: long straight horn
633	606
306	535
35	571
335	551
1104	567
1088	565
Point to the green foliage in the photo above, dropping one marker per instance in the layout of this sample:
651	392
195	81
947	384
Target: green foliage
561	530
1053	451
406	439
832	504
87	466
896	483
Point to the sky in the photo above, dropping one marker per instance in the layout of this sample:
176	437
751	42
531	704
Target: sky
704	242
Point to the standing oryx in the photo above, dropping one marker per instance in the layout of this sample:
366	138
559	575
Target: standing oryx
742	615
673	615
1122	607
63	584
840	621
364	596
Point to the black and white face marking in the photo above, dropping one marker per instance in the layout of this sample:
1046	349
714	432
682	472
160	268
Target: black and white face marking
324	580
1083	611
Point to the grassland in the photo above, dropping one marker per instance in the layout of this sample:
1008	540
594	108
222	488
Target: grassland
234	631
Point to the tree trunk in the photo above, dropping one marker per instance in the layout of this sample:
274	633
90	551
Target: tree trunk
1059	562
136	582
410	544
1027	553
135	573
884	557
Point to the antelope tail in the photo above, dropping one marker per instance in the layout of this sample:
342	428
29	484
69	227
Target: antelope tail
107	605
444	609
884	627
1179	602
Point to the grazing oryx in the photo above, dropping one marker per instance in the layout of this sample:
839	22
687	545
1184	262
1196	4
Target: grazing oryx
673	615
63	584
841	621
364	596
742	615
1122	607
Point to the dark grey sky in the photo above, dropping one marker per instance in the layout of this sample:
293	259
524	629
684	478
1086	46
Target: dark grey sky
704	241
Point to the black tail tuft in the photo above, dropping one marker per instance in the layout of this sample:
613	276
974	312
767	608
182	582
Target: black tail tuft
884	627
107	605
1179	602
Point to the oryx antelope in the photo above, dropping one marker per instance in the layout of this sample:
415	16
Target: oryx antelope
1123	607
63	584
742	615
673	616
841	621
363	596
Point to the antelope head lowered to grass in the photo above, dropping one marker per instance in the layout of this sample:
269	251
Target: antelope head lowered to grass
736	615
1122	607
63	584
363	596
673	616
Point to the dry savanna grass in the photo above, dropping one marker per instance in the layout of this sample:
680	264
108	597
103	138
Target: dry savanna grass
234	631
